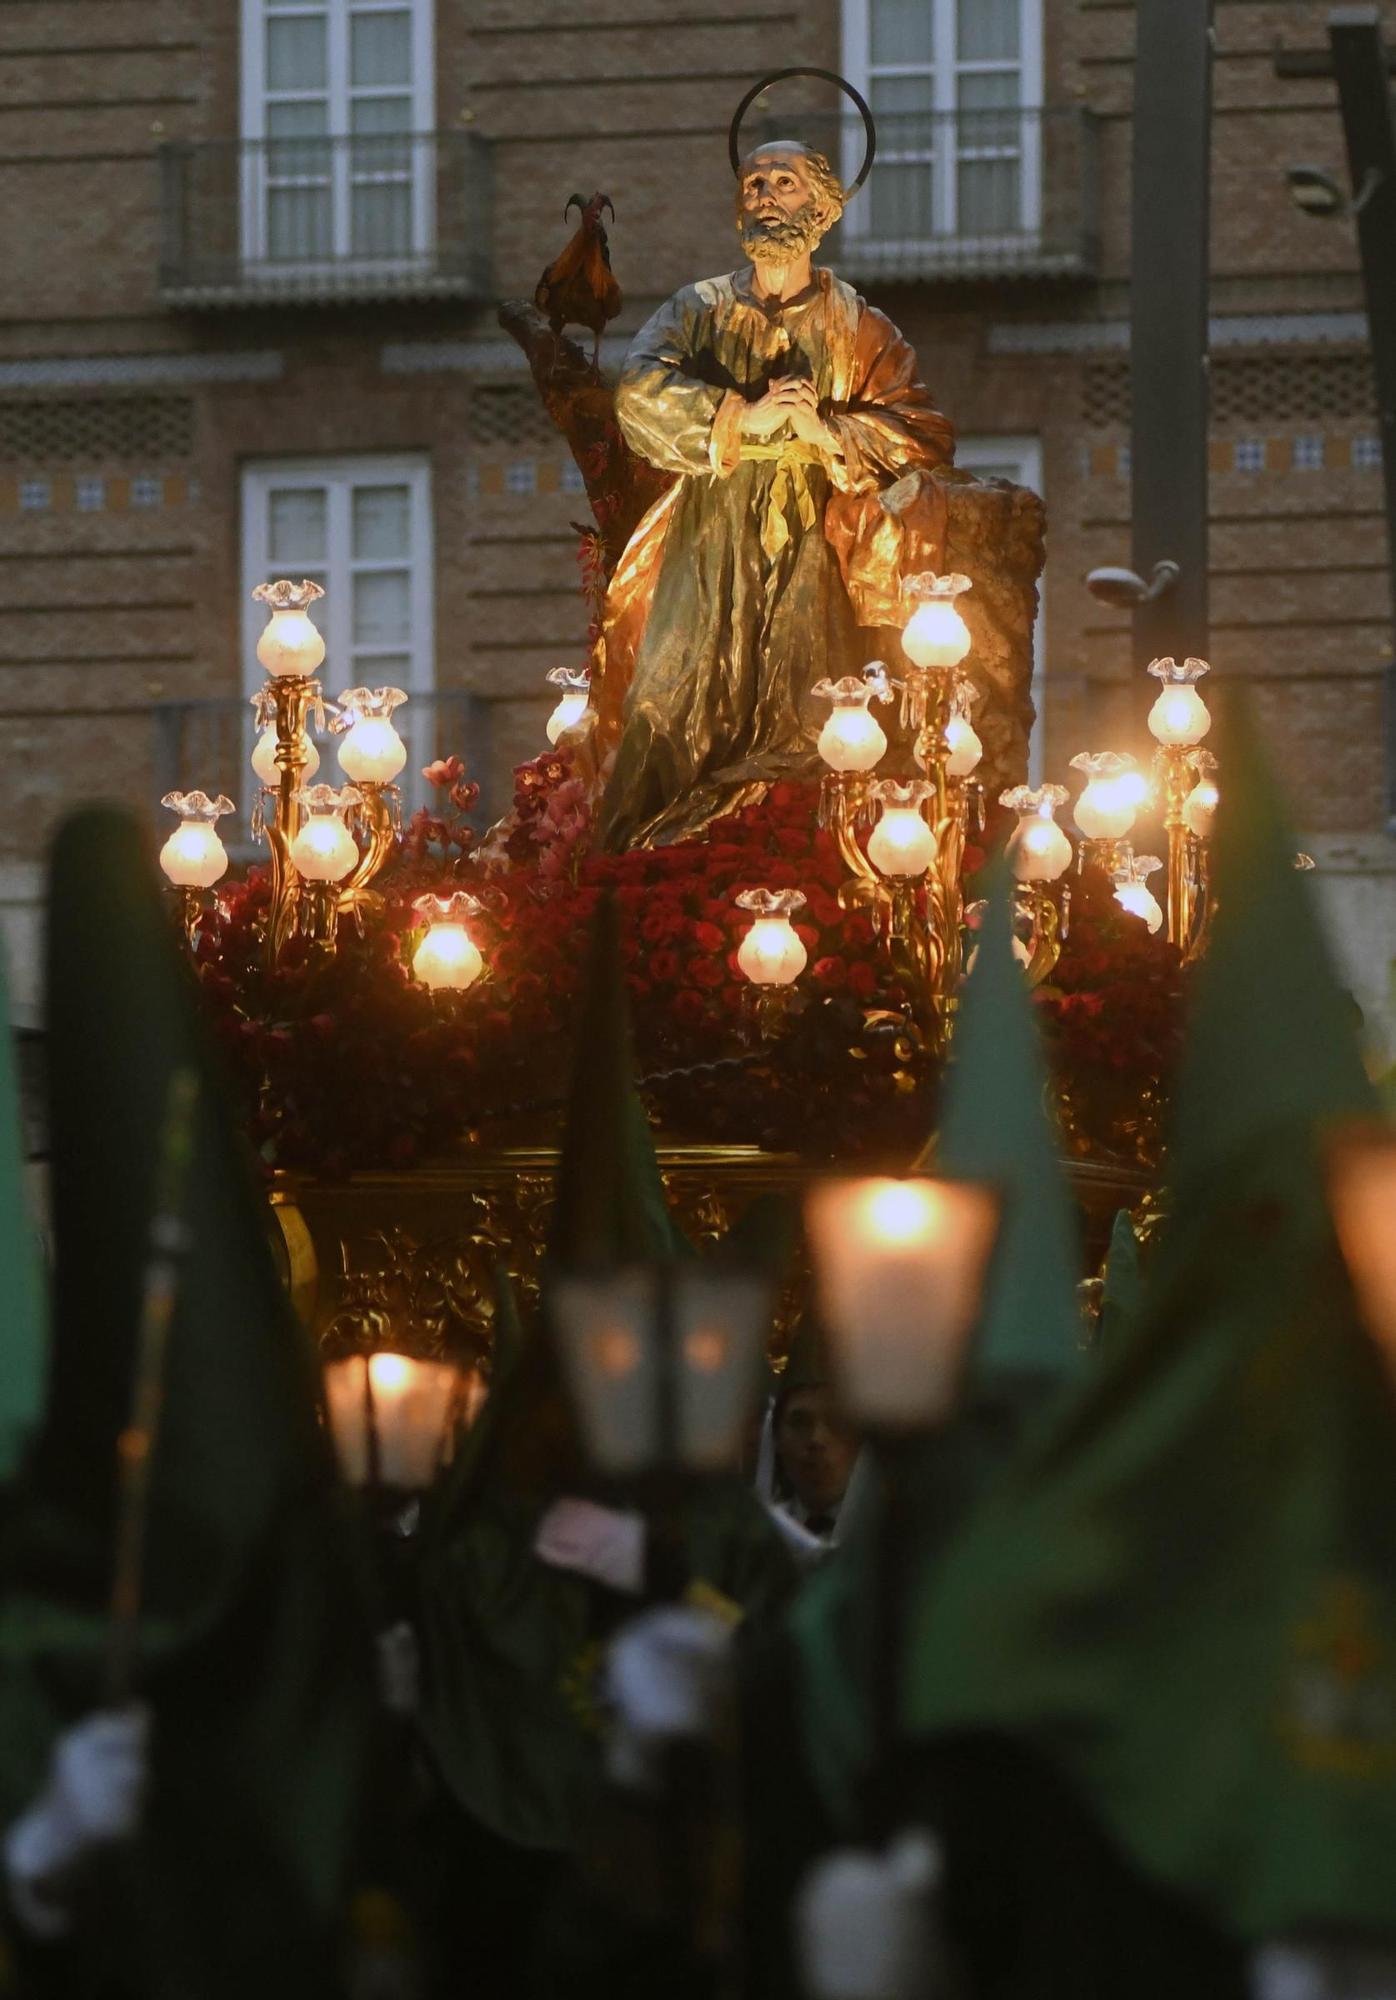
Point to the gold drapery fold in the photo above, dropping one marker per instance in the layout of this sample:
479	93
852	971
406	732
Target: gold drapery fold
748	580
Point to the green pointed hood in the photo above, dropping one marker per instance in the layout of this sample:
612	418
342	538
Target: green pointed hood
995	1126
23	1352
263	1684
1265	989
610	1206
1183	1595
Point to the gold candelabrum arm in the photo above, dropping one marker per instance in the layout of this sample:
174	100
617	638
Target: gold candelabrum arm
287	700
1188	902
377	818
1048	930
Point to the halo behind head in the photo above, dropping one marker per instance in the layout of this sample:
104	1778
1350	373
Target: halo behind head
734	150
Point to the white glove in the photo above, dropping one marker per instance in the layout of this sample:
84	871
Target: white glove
399	1668
1307	1972
866	1927
598	1542
666	1681
91	1799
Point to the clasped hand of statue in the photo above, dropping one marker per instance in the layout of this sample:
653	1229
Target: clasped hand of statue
791	400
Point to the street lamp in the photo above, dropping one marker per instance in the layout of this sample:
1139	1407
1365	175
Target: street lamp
664	1363
899	1269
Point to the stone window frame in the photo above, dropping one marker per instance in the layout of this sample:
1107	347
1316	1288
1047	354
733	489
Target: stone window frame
944	73
340	476
339	95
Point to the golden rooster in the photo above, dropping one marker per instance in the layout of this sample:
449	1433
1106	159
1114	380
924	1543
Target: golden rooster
577	289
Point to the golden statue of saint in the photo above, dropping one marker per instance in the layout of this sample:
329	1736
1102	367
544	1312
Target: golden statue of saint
800	439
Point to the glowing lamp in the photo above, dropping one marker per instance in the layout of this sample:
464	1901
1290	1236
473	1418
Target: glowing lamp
264	763
324	850
962	745
572	704
372	752
1037	850
1200	805
1132	891
290	644
1179	716
852	738
935	635
664	1364
448	959
899	1269
392	1417
1362	1195
902	844
194	857
772	952
1113	793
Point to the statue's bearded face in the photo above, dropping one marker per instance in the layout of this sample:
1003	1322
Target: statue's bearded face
787	200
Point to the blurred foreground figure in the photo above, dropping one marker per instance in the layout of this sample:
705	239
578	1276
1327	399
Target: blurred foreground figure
179	1532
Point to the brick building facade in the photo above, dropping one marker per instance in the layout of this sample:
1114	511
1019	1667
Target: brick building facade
248	327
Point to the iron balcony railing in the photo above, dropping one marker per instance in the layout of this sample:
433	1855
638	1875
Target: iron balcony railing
209	744
1008	191
374	216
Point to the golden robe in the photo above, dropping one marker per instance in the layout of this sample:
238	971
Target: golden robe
749	580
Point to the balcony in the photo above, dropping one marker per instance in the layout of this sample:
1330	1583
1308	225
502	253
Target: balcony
315	221
1011	192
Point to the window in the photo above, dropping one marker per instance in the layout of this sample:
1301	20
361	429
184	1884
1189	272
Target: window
1249	455
953	85
35	495
147	492
330	91
90	495
1366	453
1307	453
361	528
1018	459
521	476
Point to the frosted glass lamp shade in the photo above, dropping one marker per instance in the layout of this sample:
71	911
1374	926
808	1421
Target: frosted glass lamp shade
1179	716
664	1365
290	643
899	1269
935	634
391	1417
194	857
264	764
902	844
447	960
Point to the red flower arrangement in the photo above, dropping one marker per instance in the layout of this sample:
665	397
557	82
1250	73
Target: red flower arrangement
348	1063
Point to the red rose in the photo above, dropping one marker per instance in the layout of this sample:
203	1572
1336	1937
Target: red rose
830	973
689	1008
664	966
708	937
708	972
862	979
857	930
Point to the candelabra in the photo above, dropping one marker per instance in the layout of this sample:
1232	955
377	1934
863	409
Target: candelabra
1178	721
291	649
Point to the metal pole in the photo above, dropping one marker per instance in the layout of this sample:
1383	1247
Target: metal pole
1168	318
1360	66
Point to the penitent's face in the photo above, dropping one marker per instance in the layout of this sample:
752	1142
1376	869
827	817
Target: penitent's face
779	214
815	1449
